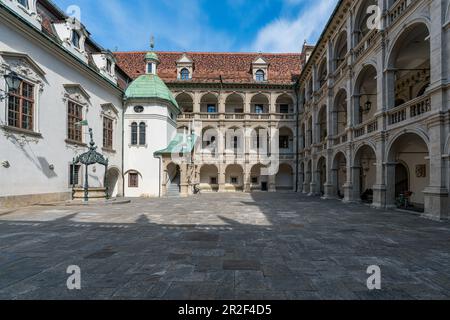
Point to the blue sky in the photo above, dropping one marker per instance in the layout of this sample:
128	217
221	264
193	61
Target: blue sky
204	25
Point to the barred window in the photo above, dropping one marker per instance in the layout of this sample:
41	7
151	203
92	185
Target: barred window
107	133
21	107
74	117
74	175
184	74
133	180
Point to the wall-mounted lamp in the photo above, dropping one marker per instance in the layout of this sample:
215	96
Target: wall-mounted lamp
6	164
12	82
367	107
51	167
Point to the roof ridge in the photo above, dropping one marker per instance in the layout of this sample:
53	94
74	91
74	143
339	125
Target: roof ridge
215	53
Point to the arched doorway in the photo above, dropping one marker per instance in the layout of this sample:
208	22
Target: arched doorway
209	104
259	182
340	50
234	178
364	177
173	180
285	178
339	174
408	171
322	170
114	183
285	104
340	113
209	178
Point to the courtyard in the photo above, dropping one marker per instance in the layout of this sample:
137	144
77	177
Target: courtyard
222	246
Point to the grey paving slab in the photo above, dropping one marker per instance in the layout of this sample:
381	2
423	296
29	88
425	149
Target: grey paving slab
223	246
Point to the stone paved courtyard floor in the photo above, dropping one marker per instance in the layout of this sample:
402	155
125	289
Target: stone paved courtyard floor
233	246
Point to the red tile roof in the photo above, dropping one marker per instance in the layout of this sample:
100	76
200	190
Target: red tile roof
208	67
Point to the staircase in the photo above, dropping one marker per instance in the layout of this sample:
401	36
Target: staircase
173	189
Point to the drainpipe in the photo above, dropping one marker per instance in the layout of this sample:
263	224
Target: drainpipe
297	169
123	147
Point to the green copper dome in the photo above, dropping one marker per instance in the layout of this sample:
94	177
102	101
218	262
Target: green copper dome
150	86
151	56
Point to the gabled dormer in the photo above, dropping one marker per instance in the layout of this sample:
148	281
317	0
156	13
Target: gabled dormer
260	69
106	63
185	67
25	9
73	36
151	63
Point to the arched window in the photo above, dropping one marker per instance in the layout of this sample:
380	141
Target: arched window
260	76
142	135
134	134
76	39
24	3
184	74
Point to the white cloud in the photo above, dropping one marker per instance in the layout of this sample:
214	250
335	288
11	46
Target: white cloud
288	35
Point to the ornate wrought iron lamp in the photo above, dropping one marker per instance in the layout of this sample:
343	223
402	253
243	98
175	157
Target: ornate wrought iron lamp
13	82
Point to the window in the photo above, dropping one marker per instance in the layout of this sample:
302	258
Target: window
260	76
142	134
76	39
213	180
259	108
74	117
149	68
284	142
254	180
184	74
108	66
133	180
21	107
284	108
134	134
74	175
107	133
139	109
235	142
24	3
234	180
212	108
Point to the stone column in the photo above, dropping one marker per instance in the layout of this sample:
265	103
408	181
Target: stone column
313	186
222	168
379	189
184	185
329	186
247	179
348	186
196	107
436	195
272	183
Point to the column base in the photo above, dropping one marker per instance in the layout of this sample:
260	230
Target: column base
379	197
436	203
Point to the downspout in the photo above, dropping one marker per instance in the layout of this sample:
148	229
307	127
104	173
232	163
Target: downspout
297	168
123	146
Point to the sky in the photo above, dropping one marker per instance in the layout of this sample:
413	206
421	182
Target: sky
279	26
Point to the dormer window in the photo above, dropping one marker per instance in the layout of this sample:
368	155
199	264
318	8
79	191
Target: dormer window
184	74
108	66
24	3
260	76
76	39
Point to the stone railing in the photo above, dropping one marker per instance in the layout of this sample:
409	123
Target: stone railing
234	116
284	116
260	116
186	116
209	116
410	110
398	9
365	43
340	71
340	139
365	128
